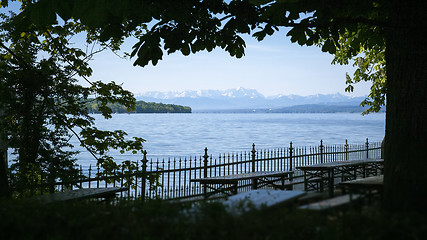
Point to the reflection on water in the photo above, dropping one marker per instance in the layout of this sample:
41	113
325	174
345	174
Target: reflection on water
184	135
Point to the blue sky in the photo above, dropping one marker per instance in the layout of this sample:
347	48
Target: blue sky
273	66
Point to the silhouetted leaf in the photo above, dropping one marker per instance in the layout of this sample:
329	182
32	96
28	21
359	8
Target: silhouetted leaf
329	46
185	49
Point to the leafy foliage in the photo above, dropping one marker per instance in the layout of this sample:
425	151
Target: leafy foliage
343	28
43	106
348	29
163	220
370	64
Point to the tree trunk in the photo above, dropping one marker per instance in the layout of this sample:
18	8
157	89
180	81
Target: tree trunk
4	185
405	177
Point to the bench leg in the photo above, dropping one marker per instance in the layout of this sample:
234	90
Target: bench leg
331	182
305	181
234	191
254	183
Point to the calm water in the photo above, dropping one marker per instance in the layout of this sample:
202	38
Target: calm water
184	135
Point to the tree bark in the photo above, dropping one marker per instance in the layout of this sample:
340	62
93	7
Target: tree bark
405	177
4	184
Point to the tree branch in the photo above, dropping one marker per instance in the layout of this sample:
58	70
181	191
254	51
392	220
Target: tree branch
54	110
15	56
335	22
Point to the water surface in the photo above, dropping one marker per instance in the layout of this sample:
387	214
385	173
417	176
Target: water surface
184	135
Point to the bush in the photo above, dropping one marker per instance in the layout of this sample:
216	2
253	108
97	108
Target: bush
163	220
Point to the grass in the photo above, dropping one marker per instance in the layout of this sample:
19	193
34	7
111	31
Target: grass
163	220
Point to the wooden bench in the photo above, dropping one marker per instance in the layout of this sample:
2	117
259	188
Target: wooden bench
190	200
228	184
80	194
365	186
289	185
312	197
330	203
260	198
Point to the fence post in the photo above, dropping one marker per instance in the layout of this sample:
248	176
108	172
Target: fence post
205	171
90	173
346	149
253	157
144	175
97	177
291	175
321	151
81	177
254	181
291	149
367	148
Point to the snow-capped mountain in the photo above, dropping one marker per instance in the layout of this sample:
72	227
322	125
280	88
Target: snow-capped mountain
229	93
241	98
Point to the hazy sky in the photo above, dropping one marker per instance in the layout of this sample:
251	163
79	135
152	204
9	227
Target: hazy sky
273	66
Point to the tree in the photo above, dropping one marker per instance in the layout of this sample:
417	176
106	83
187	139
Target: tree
370	67
42	106
189	26
406	133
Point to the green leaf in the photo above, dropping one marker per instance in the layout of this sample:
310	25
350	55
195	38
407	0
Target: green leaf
259	2
329	46
260	35
297	35
4	3
185	49
93	14
64	9
42	13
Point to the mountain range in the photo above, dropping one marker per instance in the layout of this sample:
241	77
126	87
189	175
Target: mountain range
242	98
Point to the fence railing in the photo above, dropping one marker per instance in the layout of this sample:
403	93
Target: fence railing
170	178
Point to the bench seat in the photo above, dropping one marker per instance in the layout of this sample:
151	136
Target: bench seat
330	203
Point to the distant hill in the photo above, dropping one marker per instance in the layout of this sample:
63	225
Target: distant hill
242	98
306	108
317	108
144	107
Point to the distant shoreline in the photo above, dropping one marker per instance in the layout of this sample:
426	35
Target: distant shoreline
142	107
307	108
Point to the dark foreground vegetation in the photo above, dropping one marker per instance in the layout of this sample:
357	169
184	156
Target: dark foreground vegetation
163	220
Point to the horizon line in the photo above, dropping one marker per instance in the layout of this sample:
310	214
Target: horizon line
244	88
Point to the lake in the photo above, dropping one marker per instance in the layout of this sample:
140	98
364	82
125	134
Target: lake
184	135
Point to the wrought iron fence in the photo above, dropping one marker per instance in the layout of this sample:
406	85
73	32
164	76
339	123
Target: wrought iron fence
170	178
